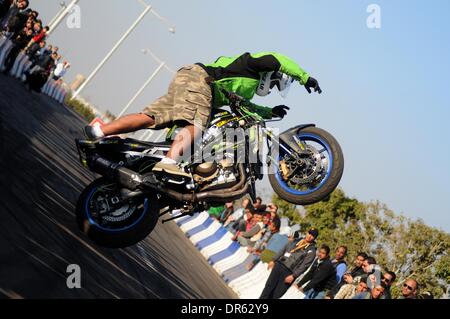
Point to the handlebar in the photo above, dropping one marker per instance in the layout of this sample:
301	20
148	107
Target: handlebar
236	100
233	97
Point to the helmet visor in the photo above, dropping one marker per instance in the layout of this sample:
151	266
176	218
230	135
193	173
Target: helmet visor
283	82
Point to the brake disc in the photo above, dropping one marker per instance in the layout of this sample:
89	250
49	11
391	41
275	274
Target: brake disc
303	171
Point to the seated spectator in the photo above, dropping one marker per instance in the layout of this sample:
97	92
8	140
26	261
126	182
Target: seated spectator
259	207
272	229
215	211
293	264
266	220
375	293
350	290
252	235
409	289
243	268
372	272
237	214
273	210
227	212
339	263
275	247
320	277
353	276
388	279
243	223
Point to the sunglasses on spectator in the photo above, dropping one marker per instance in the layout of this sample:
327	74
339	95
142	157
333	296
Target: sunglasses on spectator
409	287
386	279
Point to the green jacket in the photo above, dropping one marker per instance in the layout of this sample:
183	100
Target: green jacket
242	74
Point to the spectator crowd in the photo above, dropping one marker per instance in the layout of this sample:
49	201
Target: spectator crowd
27	33
297	263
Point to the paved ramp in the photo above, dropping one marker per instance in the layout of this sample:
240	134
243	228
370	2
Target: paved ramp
40	179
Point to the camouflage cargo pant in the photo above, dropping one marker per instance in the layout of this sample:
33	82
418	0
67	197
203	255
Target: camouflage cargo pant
189	99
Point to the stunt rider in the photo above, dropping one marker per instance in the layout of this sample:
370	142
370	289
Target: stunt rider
196	89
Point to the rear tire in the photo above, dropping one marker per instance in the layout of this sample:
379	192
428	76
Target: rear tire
116	238
328	187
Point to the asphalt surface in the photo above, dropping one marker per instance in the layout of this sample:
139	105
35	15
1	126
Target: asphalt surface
40	180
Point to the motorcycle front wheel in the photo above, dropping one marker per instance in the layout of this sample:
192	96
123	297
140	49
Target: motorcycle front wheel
109	221
311	177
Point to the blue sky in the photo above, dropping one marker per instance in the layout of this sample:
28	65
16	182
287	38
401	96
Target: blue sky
386	96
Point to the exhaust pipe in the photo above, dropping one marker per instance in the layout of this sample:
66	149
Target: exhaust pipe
126	177
134	181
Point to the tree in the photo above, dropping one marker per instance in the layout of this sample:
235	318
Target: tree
409	248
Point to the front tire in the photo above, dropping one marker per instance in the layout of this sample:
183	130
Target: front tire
326	186
125	226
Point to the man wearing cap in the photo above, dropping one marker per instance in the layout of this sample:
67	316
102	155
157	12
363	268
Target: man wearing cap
290	266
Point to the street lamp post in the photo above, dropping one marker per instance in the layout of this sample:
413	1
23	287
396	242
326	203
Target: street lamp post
63	6
139	92
147	135
116	46
60	16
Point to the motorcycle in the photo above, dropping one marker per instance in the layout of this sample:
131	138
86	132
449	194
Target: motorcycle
123	207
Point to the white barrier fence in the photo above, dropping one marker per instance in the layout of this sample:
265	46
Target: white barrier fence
22	64
228	258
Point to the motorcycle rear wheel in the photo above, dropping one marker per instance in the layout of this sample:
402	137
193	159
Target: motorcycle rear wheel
115	226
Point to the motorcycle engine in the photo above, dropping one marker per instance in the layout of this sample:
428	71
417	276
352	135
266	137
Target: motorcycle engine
212	175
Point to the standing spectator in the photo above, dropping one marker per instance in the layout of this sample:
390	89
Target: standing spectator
409	289
4	8
19	44
353	276
42	58
339	263
39	34
350	290
375	293
17	18
388	279
293	264
320	277
33	50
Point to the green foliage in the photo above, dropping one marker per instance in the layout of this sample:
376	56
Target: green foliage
81	108
409	248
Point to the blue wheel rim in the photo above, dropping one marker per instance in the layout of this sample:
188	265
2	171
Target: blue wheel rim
112	230
313	138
